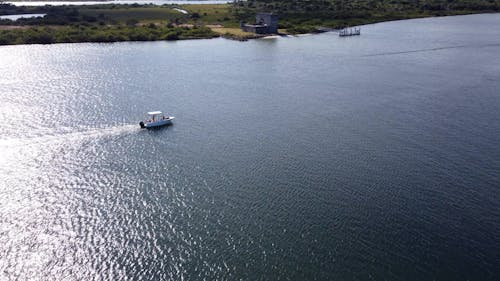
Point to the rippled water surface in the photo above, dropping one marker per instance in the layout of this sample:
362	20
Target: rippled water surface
310	158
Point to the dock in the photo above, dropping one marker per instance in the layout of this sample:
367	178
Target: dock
350	32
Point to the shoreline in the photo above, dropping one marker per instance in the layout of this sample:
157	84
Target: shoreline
319	31
148	29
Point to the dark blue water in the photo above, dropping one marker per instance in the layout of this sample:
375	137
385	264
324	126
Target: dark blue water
309	158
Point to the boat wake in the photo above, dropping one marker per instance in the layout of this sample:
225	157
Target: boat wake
70	136
431	50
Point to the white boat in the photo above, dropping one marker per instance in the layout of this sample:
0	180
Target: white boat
156	119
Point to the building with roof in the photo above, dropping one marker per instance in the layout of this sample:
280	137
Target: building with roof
265	23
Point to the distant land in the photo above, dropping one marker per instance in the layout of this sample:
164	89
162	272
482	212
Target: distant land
109	22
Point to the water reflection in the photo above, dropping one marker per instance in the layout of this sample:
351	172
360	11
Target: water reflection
16	17
294	158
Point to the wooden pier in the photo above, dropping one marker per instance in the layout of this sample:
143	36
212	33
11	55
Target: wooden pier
348	31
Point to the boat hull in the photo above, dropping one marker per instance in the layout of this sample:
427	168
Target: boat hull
156	124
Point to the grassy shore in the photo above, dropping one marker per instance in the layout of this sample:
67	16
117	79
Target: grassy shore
101	23
112	22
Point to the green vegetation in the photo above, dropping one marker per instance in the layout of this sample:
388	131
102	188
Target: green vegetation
93	33
112	22
99	23
213	14
122	14
300	16
235	33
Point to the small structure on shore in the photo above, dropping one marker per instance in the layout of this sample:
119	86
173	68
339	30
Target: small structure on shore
350	32
265	23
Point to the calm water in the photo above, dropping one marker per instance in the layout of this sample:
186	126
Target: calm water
310	158
19	16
